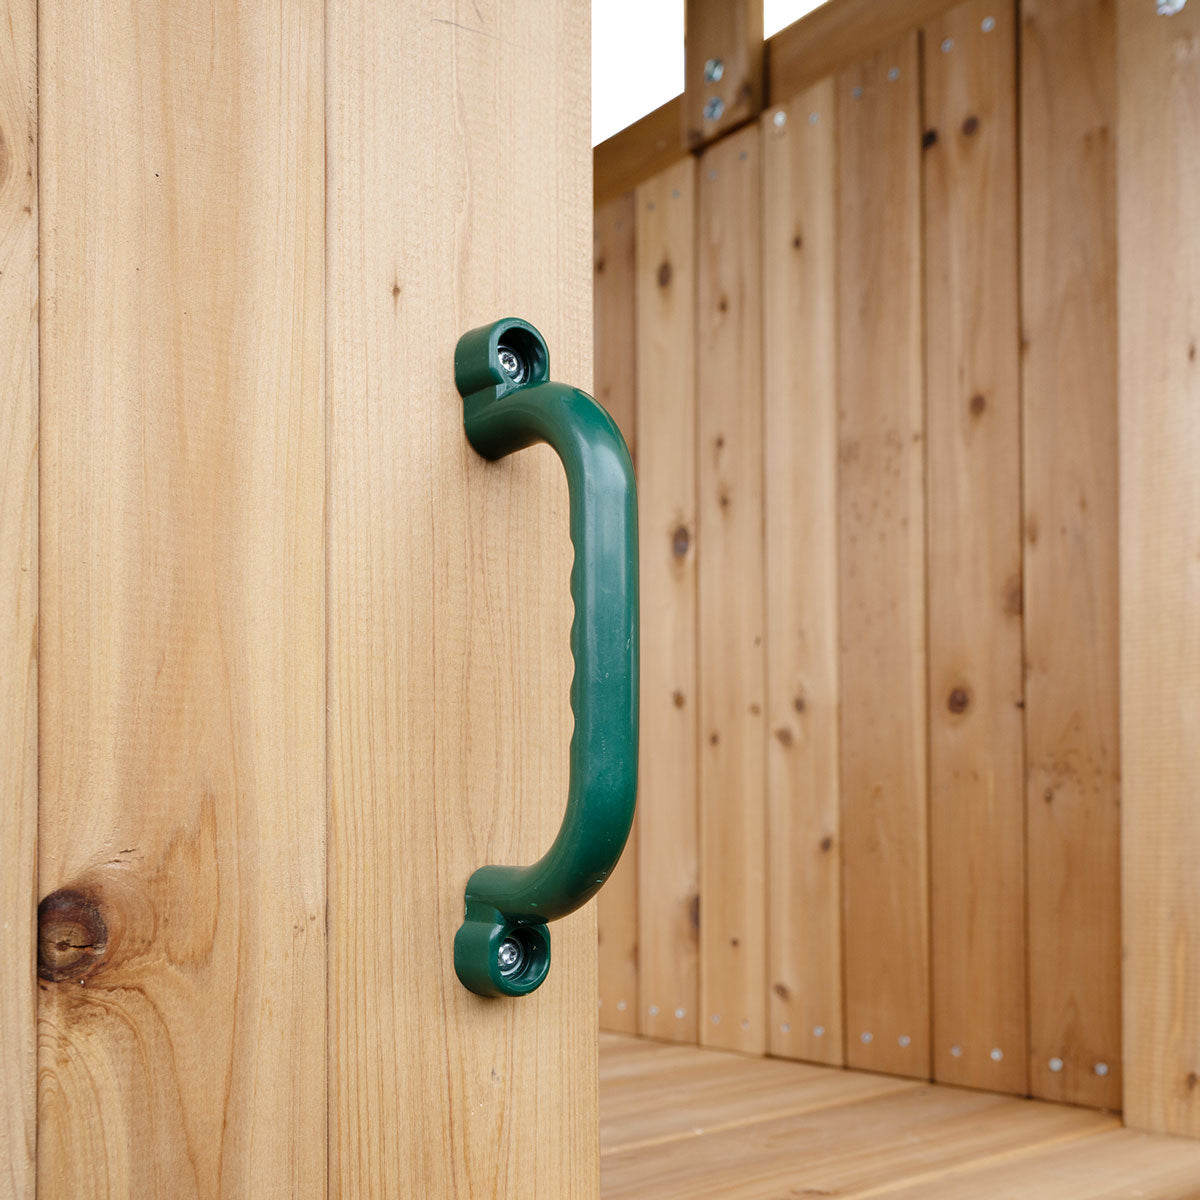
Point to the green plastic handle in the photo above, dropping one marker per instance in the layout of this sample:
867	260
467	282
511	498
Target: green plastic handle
502	371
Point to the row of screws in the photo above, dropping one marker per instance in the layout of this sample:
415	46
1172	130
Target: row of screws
867	1037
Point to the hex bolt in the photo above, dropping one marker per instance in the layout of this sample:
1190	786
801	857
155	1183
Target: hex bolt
714	108
714	68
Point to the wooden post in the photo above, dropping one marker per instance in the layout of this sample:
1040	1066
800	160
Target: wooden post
723	71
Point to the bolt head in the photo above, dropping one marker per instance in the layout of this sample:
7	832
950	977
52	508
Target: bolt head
509	956
714	68
511	364
714	109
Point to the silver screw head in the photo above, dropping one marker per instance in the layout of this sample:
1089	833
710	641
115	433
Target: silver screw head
1056	1064
947	45
509	955
780	118
987	24
1169	8
511	365
1101	1069
714	68
714	108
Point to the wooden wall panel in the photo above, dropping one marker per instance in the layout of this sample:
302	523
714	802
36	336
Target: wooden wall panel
182	811
729	32
1158	156
615	340
459	192
18	594
804	969
882	562
976	736
666	419
733	1003
1069	333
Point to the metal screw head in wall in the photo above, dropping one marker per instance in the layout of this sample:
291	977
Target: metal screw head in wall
1055	1064
818	1031
514	368
714	108
1168	8
997	1055
1101	1069
947	45
988	24
904	1041
714	68
510	953
779	119
867	1038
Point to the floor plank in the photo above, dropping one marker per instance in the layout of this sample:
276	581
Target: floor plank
682	1121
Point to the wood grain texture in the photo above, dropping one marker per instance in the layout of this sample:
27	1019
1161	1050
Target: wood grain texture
1105	1164
729	32
633	154
1158	157
615	353
1069	334
973	488
18	595
882	563
866	1147
668	790
685	1122
673	1093
733	896
182	815
804	968
459	192
835	35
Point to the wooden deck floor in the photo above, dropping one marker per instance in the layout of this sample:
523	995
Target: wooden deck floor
677	1121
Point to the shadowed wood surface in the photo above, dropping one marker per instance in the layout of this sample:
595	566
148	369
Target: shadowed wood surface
678	1122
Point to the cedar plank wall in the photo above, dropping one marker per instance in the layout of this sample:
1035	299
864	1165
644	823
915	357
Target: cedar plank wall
938	576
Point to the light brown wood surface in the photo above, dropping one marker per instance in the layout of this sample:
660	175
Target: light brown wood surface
733	894
728	32
829	37
638	151
668	799
684	1122
182	814
18	595
615	341
1158	155
1069	365
973	486
804	968
459	192
881	577
834	35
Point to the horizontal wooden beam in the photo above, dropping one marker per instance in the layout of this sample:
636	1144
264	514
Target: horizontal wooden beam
827	39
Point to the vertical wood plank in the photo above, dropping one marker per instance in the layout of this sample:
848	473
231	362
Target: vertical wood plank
459	192
668	819
882	563
729	32
613	318
733	894
615	348
18	594
1158	174
1069	332
976	735
182	815
804	966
